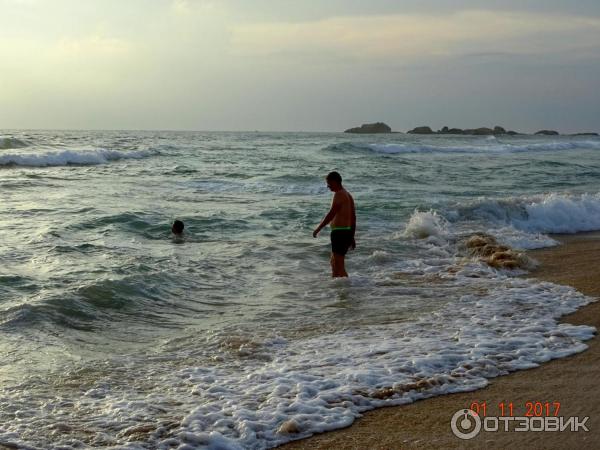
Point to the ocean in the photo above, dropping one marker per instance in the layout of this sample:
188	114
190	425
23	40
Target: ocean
115	335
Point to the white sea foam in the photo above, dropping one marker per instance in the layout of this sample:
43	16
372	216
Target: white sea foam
548	213
379	256
423	224
520	239
556	213
486	146
519	222
67	157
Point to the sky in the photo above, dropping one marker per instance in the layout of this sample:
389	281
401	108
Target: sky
289	65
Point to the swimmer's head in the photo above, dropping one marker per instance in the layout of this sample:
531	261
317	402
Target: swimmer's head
334	181
177	227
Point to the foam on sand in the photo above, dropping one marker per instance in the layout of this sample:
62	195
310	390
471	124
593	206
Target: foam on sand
337	377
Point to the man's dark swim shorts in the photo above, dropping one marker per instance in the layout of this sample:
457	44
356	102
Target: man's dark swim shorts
341	240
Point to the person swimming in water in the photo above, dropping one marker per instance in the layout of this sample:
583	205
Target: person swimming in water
177	228
342	217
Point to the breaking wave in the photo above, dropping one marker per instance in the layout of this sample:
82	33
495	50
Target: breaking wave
70	157
546	213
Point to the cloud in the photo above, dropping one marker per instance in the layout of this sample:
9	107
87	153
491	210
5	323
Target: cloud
208	64
193	6
70	70
93	46
419	35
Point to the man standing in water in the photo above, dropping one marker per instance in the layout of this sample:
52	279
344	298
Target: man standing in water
342	216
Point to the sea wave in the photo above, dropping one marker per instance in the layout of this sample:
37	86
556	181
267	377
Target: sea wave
521	222
288	388
546	213
70	157
483	146
8	142
426	224
92	305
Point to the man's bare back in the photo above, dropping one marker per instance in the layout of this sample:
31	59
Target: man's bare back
344	209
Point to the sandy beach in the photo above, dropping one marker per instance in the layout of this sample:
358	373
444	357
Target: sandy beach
572	381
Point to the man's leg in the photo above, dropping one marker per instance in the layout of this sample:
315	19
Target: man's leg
342	268
332	263
338	266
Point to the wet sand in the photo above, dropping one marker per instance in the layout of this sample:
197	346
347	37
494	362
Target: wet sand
573	381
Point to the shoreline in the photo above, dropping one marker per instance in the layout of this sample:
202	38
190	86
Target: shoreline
570	381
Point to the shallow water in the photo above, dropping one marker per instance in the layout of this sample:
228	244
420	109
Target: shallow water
115	335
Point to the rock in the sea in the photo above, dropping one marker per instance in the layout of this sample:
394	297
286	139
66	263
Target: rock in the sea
447	130
483	131
369	128
547	133
584	134
421	130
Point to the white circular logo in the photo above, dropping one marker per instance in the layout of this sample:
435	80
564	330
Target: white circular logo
465	424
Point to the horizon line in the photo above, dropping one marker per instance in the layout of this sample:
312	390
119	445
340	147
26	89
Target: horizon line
187	130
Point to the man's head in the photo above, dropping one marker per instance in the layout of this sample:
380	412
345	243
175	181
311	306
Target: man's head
177	227
334	181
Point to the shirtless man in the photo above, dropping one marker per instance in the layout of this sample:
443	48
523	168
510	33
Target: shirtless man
342	216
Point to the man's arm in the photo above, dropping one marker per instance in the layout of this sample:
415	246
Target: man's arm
335	206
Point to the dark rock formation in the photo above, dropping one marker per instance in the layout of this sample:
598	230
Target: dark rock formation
484	131
447	130
369	128
421	130
496	131
480	131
